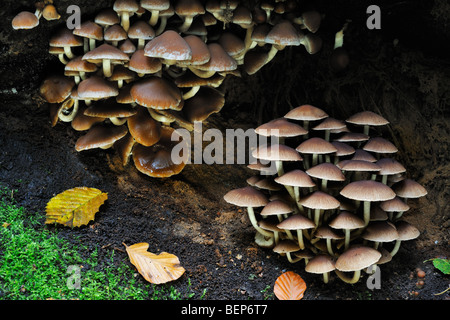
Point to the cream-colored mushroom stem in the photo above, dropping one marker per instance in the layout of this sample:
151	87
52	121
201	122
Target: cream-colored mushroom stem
186	23
347	279
62	58
366	212
297	199
70	106
162	26
154	17
118	121
273	52
291	259
189	94
159	117
125	20
251	215
107	68
68	52
202	73
396	247
326	277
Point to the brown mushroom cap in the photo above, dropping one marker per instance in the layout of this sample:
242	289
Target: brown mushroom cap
109	108
232	44
295	222
316	145
115	33
325	232
380	231
406	231
156	161
343	149
124	147
276	207
286	246
394	205
319	200
390	166
361	154
352	137
89	29
65	38
142	64
380	145
326	171
283	34
169	46
357	258
156	93
81	122
367	190
144	129
330	124
25	20
367	118
56	89
409	188
246	197
95	88
107	17
106	51
280	128
219	60
276	152
206	102
200	52
346	220
306	112
141	30
321	263
311	19
100	136
295	178
360	165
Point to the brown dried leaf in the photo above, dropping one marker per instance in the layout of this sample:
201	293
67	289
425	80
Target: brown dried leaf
156	269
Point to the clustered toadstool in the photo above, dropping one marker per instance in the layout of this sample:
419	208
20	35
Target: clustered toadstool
168	58
345	191
26	20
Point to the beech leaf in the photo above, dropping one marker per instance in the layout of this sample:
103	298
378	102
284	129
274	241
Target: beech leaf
155	268
75	207
289	286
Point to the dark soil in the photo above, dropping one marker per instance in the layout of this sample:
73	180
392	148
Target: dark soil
186	214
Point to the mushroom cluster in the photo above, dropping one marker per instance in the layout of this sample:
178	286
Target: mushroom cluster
29	20
143	68
335	196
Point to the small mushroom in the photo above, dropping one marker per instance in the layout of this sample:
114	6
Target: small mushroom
25	20
296	179
287	247
346	221
64	38
298	223
321	264
100	136
187	10
306	113
90	32
142	32
315	146
125	9
379	232
354	260
107	55
144	129
406	231
277	153
155	7
326	172
367	119
114	34
319	201
169	46
325	232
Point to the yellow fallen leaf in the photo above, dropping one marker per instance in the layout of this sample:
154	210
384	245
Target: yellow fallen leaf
155	268
75	207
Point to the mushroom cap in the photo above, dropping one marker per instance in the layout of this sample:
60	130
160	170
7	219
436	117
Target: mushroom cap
144	129
189	79
124	147
156	160
330	124
286	246
295	178
326	171
316	145
284	34
81	122
361	154
115	33
127	47
232	44
141	30
56	88
311	20
156	93
24	20
359	165
107	17
130	6
100	136
105	51
390	166
280	128
352	137
295	222
409	188
325	232
65	38
109	108
343	149
121	72
276	207
269	225
394	205
219	60
319	200
199	51
253	61
321	263
89	29
367	118
276	152
189	8
357	258
378	214
95	88
346	220
246	197
312	43
380	145
242	16
205	102
367	190
168	45
79	65
158	5
380	231
142	64
306	112
406	231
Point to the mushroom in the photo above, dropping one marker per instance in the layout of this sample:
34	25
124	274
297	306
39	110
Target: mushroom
124	147
81	122
200	53
319	201
155	7
100	136
277	153
358	167
125	9
321	264
142	64
157	93
329	124
192	82
117	113
367	191
219	61
64	38
287	247
280	209
295	179
50	13
187	10
316	146
347	222
367	119
107	55
312	43
342	150
250	198
380	145
164	16
300	224
325	232
310	20
389	167
326	172
25	20
141	31
169	46
156	160
144	129
127	47
56	89
354	260
406	231
90	32
281	35
121	74
206	102
306	113
268	242
106	18
80	67
379	232
96	88
408	189
280	128
58	51
233	45
394	205
114	34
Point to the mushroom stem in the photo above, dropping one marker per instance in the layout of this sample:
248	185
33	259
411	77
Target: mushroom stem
314	159
290	259
141	44
107	70
396	247
68	52
297	199
251	215
366	212
162	26
317	213
345	278
66	105
62	59
326	277
366	130
154	17
329	247
186	24
191	92
301	243
85	45
117	121
125	21
347	238
92	44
